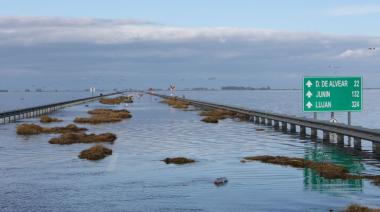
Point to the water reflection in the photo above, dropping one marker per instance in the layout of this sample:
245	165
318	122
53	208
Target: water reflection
312	181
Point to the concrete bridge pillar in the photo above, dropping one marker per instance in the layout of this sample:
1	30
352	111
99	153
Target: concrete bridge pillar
262	120
269	122
276	124
314	133
284	126
257	120
340	139
357	143
376	148
293	128
326	136
302	131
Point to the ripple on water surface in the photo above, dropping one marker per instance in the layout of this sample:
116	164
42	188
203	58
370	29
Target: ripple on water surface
39	176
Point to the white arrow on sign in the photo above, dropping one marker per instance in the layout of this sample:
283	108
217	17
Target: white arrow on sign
309	105
309	84
309	94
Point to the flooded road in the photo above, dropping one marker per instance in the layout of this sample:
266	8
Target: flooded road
38	176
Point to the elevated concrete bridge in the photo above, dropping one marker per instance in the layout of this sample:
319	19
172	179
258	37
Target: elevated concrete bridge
14	115
293	124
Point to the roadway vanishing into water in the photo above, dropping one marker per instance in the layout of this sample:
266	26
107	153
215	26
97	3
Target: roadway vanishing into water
278	121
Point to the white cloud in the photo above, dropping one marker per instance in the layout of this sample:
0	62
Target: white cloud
76	47
180	42
358	53
39	30
356	10
25	21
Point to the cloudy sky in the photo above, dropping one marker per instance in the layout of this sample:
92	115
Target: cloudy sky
209	43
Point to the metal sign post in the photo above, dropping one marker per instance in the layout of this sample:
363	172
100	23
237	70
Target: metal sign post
333	136
92	90
349	123
349	118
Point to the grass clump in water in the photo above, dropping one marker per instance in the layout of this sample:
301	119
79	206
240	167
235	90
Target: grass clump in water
175	103
48	119
178	160
360	208
219	113
96	152
324	169
213	116
109	112
29	129
67	129
99	116
210	119
72	138
242	117
34	129
116	100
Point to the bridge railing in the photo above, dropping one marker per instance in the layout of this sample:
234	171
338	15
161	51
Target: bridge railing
275	119
11	116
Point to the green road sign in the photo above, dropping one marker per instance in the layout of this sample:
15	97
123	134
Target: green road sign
323	94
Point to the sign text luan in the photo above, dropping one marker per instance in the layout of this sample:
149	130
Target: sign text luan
324	94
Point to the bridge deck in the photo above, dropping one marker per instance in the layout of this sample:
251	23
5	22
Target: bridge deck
356	132
9	116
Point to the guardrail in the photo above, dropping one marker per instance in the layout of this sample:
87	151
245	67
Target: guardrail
14	115
275	119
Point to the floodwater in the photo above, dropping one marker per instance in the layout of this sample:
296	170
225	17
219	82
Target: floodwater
38	176
19	100
290	102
